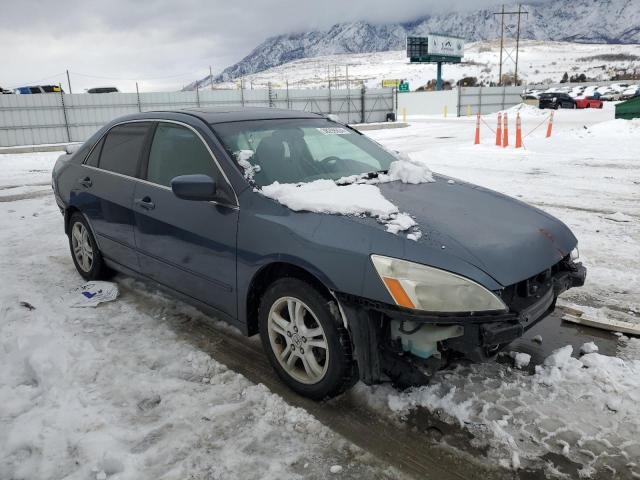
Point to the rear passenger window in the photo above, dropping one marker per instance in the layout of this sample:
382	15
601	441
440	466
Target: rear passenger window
175	151
122	148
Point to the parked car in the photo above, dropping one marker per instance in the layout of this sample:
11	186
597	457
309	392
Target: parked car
4	91
164	196
588	102
619	87
103	90
35	89
630	92
612	95
556	100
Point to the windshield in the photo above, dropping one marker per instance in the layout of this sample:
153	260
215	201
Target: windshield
300	150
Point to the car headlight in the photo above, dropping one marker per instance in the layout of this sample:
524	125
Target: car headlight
420	287
575	254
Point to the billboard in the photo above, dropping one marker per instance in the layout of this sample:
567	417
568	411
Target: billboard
435	48
446	46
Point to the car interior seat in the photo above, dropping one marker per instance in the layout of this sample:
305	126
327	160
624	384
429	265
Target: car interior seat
284	156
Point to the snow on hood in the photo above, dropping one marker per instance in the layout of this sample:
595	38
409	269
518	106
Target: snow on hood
405	169
355	195
326	196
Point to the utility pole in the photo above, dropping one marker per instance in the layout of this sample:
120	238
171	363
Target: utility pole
502	14
211	77
501	43
515	78
138	96
69	82
347	75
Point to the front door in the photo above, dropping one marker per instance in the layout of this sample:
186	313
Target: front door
189	246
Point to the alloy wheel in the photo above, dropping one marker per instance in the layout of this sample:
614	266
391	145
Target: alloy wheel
81	245
298	340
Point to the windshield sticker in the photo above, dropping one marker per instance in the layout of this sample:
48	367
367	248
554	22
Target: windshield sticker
334	131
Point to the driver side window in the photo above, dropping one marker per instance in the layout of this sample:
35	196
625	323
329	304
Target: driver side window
176	151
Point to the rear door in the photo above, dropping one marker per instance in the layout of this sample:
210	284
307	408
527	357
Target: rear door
105	186
189	246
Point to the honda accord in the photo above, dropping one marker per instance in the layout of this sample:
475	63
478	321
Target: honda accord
166	197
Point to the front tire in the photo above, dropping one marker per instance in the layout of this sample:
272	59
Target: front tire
305	340
84	250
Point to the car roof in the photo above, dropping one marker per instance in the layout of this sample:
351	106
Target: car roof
238	114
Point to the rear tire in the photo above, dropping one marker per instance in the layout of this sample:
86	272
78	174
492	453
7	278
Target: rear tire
304	337
84	250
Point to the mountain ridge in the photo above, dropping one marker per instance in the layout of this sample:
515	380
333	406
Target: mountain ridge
582	21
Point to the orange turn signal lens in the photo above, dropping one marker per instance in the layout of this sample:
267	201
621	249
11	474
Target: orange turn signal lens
397	292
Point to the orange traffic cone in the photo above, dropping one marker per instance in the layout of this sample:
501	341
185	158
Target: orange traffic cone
550	125
518	131
477	141
499	130
505	131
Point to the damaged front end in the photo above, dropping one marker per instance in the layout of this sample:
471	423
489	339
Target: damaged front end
408	345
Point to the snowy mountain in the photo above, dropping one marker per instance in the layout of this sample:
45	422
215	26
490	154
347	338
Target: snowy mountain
541	62
584	21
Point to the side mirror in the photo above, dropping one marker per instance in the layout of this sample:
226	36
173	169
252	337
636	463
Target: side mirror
194	187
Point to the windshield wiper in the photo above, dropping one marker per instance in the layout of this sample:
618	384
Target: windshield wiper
375	174
360	178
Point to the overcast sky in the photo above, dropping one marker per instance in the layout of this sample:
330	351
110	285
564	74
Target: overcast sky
166	44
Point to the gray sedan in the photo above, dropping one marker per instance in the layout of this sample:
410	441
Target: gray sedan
167	197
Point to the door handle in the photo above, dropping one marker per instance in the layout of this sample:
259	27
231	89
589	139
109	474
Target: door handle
145	203
85	182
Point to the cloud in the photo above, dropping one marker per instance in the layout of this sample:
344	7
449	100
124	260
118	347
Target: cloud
165	44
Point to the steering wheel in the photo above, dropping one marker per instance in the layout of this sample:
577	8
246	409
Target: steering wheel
330	162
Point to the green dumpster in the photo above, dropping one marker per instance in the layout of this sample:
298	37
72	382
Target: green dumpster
629	109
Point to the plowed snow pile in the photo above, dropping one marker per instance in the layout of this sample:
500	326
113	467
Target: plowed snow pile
606	131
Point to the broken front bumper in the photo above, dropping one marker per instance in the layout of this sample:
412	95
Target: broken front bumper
484	334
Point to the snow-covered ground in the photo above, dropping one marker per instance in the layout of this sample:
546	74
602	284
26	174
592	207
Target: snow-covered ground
539	62
116	391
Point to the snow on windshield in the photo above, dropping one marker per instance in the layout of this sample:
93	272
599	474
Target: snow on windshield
356	195
243	157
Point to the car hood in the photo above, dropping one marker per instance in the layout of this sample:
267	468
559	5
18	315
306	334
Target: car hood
504	237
